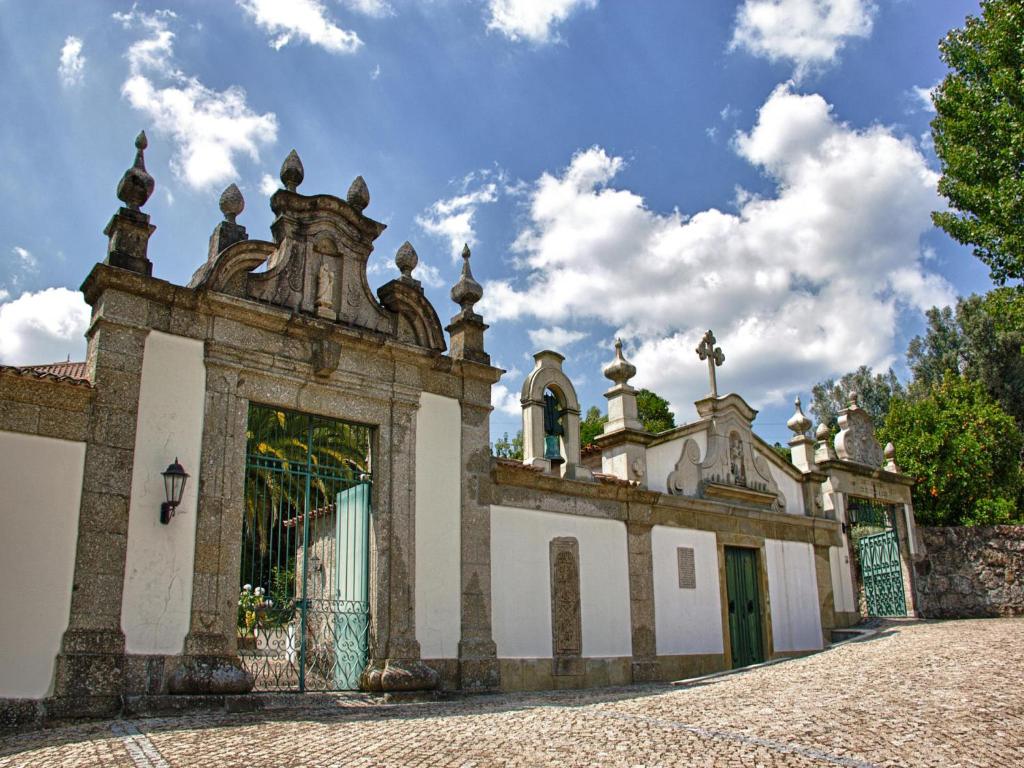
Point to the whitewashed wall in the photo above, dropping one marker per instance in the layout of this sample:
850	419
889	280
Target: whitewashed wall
521	582
793	592
41	478
661	459
157	598
842	579
438	519
686	620
790	488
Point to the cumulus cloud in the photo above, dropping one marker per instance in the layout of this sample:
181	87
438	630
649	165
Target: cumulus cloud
809	33
923	98
452	218
72	63
532	20
43	327
800	284
287	20
268	185
556	337
377	9
210	128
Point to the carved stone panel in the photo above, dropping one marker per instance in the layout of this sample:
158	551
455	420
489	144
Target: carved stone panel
687	568
566	616
856	439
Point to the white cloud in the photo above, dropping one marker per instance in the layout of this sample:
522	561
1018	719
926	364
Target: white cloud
72	62
923	98
268	185
43	327
377	9
25	258
307	20
556	337
209	127
452	218
375	73
798	285
809	33
505	400
532	20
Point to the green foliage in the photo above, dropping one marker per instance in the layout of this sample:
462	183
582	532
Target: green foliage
979	136
504	448
654	412
875	392
592	425
982	341
783	451
962	449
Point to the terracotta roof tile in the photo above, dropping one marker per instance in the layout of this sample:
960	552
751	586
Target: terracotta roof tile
66	372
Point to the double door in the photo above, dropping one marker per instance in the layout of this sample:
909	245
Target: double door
745	632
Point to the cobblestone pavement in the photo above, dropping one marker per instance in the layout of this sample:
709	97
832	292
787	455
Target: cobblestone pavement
917	694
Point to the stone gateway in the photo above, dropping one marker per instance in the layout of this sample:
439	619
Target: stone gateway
344	524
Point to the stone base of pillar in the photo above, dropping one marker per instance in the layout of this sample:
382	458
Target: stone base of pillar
646	672
210	675
479	675
398	675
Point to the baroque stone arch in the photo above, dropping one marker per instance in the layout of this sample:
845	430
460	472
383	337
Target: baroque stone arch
414	319
546	375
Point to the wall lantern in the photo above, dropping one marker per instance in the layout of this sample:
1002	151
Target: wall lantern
174	486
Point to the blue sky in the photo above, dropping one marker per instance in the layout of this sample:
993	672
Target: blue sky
643	169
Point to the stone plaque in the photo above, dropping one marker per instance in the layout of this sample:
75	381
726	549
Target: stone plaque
687	568
566	623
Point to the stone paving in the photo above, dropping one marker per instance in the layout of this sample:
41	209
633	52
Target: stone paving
916	694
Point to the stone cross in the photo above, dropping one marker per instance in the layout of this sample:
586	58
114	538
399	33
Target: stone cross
707	350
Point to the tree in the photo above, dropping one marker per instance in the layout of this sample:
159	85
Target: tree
875	392
592	425
979	136
654	412
963	451
982	340
509	449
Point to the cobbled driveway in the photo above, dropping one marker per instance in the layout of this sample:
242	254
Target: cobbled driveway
916	694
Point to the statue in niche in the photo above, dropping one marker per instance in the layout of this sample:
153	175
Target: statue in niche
736	465
553	429
568	640
325	280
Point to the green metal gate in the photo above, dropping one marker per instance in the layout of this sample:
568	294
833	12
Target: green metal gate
878	553
744	606
303	609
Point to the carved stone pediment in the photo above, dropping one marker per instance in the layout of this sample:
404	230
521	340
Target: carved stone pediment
414	319
856	440
732	468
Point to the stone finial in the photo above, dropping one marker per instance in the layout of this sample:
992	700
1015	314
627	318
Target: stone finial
406	259
822	432
798	423
136	185
467	291
890	457
823	448
619	370
359	195
292	171
231	203
853	399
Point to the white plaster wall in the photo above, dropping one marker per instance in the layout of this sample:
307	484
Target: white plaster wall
686	620
842	579
661	459
790	488
793	593
41	478
438	520
158	570
521	582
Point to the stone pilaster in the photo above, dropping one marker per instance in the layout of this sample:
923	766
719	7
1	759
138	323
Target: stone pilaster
641	602
90	667
624	440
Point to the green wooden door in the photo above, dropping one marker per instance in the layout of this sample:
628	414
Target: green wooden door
744	606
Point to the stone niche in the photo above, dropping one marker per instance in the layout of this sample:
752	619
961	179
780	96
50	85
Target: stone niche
732	470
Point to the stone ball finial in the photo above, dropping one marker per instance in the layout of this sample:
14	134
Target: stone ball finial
292	172
890	451
136	185
467	291
823	432
359	195
406	259
798	423
231	203
619	370
854	397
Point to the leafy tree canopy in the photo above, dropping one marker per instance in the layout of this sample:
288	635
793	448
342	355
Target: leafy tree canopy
962	449
979	136
591	425
874	391
504	448
654	412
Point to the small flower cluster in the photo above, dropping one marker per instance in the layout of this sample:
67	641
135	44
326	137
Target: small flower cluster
253	599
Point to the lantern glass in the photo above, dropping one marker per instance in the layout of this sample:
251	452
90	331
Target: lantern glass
174	483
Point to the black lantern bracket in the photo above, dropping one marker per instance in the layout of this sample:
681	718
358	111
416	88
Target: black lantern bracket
174	487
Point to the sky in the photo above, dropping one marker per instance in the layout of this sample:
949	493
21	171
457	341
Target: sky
643	170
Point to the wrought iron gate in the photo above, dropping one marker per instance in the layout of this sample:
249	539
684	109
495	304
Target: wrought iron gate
303	609
878	551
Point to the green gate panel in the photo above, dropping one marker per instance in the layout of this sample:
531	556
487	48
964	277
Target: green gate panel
743	594
879	556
